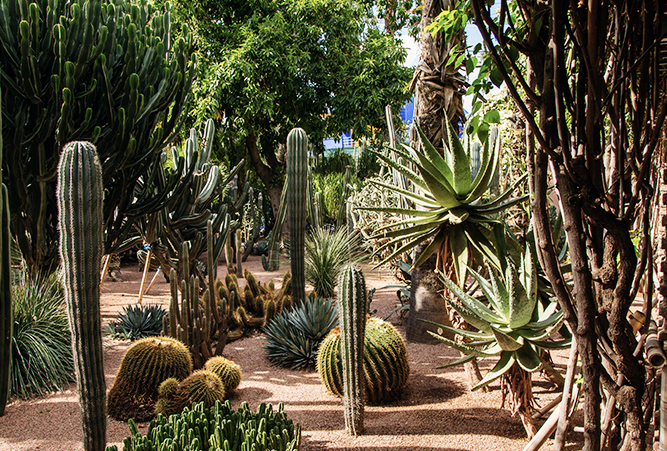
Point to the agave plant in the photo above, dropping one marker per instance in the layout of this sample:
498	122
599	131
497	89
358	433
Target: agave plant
512	325
138	321
452	210
326	253
294	337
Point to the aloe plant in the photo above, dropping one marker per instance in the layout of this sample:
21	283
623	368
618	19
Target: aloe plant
512	325
452	209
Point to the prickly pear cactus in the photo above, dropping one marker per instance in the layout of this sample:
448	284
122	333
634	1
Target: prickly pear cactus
297	186
145	365
79	195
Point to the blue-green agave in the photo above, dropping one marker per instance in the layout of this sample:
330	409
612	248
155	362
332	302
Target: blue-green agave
452	208
514	324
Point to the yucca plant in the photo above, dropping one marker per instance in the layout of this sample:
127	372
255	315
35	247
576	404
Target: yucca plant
41	350
294	337
453	211
512	324
326	253
137	321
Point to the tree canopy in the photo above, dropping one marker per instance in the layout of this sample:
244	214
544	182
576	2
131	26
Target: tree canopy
268	66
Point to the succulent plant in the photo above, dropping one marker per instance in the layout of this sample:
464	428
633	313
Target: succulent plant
202	386
137	321
512	324
293	337
271	262
386	364
228	371
217	428
145	365
297	179
80	221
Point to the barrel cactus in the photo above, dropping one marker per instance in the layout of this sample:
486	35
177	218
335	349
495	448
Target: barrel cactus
146	364
202	386
79	195
386	364
228	371
297	180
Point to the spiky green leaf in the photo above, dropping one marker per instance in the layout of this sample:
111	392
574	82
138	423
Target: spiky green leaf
504	364
527	358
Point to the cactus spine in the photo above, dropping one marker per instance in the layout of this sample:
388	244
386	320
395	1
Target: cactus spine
352	318
79	195
6	314
297	178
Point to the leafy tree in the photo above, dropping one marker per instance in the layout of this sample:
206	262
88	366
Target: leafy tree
269	66
106	71
592	94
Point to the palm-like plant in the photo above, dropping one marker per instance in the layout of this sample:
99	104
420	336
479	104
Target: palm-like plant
452	210
514	325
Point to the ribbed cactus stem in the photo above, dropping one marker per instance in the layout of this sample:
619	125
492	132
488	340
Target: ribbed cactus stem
239	253
313	213
6	314
79	194
340	217
353	305
297	180
272	263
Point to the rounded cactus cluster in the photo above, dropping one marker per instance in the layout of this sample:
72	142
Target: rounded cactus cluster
228	371
202	386
386	366
146	364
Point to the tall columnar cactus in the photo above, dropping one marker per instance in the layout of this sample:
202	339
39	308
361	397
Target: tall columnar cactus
79	194
353	307
6	317
341	216
297	180
272	262
314	212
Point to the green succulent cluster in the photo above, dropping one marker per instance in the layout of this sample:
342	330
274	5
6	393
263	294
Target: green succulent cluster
293	337
202	386
453	210
386	366
512	324
145	365
217	428
137	321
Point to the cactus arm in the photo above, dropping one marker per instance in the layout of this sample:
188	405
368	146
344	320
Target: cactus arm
297	177
79	196
353	308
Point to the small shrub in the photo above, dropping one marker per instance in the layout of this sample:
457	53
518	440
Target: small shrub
217	429
138	321
41	349
294	336
326	253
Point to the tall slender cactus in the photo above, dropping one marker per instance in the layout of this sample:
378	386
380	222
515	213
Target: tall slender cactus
353	305
297	178
6	314
79	194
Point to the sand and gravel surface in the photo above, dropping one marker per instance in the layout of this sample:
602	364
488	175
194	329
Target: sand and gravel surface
436	412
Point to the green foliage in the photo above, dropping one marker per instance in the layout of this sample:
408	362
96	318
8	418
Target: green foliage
80	223
293	337
386	366
331	186
42	347
108	72
137	321
326	253
145	365
228	371
512	324
216	429
453	210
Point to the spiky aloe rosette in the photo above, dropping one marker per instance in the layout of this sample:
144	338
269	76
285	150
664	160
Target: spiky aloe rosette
452	211
513	325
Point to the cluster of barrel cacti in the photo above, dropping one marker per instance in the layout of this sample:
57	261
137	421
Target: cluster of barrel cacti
216	429
145	365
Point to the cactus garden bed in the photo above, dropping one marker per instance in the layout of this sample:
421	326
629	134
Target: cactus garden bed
436	412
